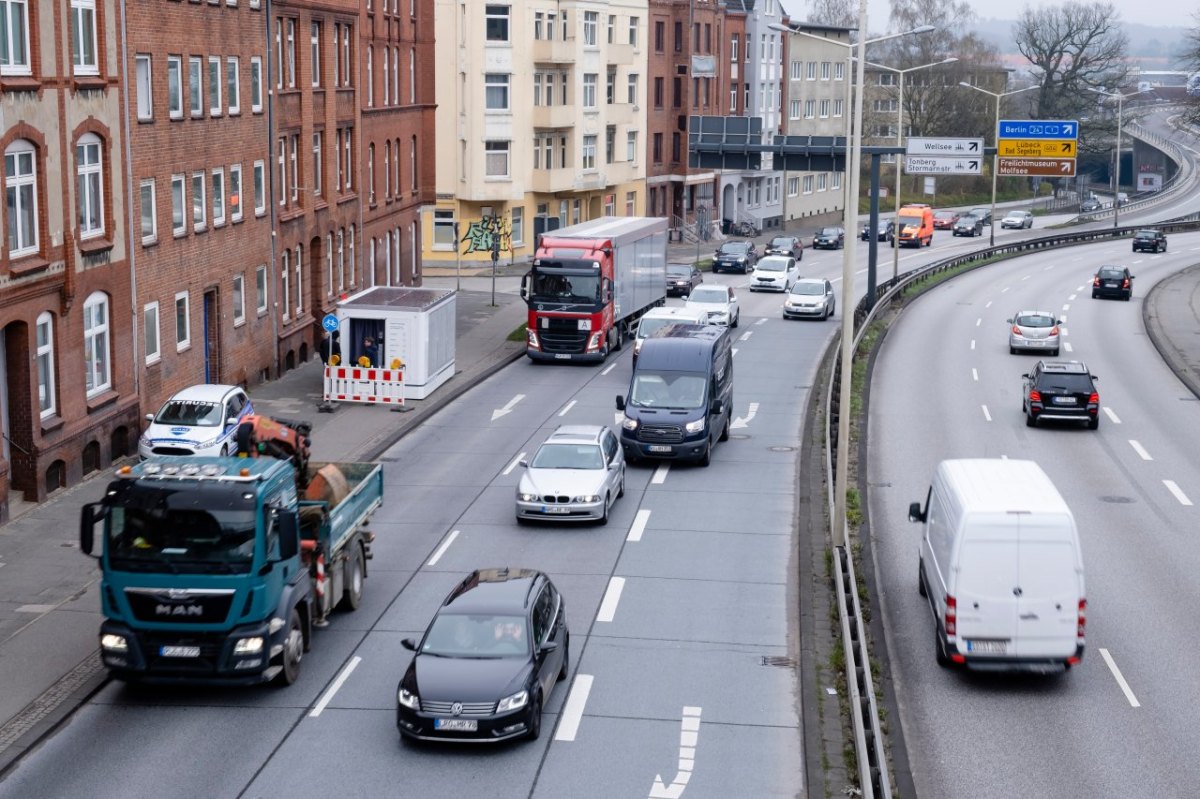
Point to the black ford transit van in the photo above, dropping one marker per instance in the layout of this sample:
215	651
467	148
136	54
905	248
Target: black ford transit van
681	395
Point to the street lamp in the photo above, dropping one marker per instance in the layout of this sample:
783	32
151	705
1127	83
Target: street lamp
900	143
850	224
1117	173
996	156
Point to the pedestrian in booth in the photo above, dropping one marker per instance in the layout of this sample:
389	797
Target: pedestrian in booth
371	351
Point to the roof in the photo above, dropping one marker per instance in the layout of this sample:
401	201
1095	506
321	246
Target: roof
676	312
995	485
589	433
497	590
394	298
1065	367
680	347
204	392
617	228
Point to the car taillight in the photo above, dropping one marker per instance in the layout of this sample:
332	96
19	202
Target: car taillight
1035	396
1054	330
1016	330
1082	623
1096	280
951	620
1094	399
1125	283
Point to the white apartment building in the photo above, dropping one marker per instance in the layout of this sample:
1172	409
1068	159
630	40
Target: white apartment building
540	121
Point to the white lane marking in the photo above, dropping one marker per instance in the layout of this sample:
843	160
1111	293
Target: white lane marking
609	368
740	422
1063	329
568	407
496	414
608	605
689	736
1111	416
1048	268
1079	288
639	525
36	608
979	321
333	689
746	336
986	415
437	553
1063	320
660	474
972	343
572	712
1027	277
1073	296
514	463
1116	673
1140	450
1066	306
989	304
735	349
762	321
974	374
1004	289
1067	346
1179	495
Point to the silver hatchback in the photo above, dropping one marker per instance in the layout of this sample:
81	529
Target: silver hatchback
1033	330
576	475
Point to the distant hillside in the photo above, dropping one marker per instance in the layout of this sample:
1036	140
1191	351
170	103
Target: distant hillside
1153	47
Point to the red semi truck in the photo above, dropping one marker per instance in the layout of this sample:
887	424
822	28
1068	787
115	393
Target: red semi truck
590	284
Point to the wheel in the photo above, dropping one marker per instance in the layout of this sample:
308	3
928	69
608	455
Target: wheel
921	579
621	491
1128	297
1012	350
725	430
352	597
939	648
737	318
604	516
535	718
1094	424
706	458
1094	295
1030	420
832	308
522	521
566	664
1055	353
293	651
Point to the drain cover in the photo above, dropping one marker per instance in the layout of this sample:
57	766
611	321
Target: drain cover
1117	500
782	449
778	660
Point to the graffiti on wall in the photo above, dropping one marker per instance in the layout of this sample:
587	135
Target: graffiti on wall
481	233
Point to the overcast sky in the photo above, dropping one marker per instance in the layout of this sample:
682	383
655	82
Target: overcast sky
1147	12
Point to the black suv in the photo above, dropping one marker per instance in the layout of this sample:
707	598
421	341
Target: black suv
1113	281
968	225
786	245
1153	240
735	256
1061	391
830	238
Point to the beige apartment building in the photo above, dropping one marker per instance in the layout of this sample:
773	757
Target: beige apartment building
540	122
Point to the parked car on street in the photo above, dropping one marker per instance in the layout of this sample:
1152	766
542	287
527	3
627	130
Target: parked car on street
681	279
735	256
829	238
1017	219
1112	281
200	420
968	225
1033	330
884	230
944	220
1153	240
785	245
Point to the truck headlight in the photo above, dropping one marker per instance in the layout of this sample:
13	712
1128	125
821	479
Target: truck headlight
696	426
408	699
248	646
514	702
594	341
113	643
533	339
629	424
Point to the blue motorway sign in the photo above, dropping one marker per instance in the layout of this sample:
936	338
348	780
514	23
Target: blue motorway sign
1037	129
329	322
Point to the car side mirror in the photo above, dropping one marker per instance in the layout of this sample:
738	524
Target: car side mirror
409	644
525	286
620	403
1094	377
523	462
915	514
1009	321
548	647
149	417
88	516
717	407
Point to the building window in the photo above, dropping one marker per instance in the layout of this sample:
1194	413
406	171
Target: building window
175	86
316	147
346	147
612	28
45	364
150	332
395	76
370	76
260	287
589	90
260	193
824	109
329	264
589	153
658	148
808	184
290	53
633	31
839	71
239	300
337	59
810	109
837	107
199	209
811	70
294	165
610	144
235	192
346	62
214	86
14	37
496	158
387	169
183	322
496	23
20	191
178	219
631	146
630	202
537	24
96	356
233	91
285	283
412	75
89	186
315	53
145	101
887	79
591	20
299	260
793	109
821	179
195	96
443	229
660	36
793	186
218	197
675	149
412	163
83	37
281	169
149	215
387	87
610	86
495	91
371	173
256	97
517	228
633	90
351	257
341	260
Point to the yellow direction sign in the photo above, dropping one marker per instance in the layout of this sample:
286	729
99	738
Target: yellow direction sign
1036	148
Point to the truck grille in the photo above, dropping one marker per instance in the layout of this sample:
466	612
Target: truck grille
562	335
470	709
661	433
183	607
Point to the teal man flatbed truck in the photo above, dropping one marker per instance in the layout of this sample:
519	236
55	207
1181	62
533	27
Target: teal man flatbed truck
216	570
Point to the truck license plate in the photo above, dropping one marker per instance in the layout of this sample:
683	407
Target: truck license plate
563	356
179	651
659	448
458	725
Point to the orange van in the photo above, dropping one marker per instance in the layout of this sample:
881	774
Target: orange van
914	225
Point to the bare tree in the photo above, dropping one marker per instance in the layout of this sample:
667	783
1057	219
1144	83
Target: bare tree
1190	56
837	13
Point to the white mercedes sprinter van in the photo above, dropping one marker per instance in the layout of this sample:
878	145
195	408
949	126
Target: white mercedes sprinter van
1001	567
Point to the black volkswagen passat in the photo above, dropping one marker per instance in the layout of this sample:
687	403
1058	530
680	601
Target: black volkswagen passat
488	661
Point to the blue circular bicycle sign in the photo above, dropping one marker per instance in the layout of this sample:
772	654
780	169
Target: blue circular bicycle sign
330	323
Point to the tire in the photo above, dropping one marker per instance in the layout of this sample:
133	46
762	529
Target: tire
535	719
1012	350
1128	297
1030	420
725	431
293	651
921	580
621	492
736	319
604	516
352	597
939	649
706	458
1094	295
1094	424
566	664
1055	353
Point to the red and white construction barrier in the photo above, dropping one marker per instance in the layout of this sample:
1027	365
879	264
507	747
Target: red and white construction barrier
358	384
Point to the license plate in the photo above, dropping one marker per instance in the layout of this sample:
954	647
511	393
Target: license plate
1112	284
563	356
179	651
456	725
987	647
1064	400
658	448
555	509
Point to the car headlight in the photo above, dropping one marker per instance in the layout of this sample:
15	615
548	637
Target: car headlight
113	643
527	497
514	702
586	498
695	427
741	260
408	699
629	424
248	646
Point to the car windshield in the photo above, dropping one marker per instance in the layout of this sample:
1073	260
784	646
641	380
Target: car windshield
190	412
1065	382
1035	320
772	265
811	289
733	248
944	214
1145	234
967	219
1111	272
828	231
558	287
648	327
476	636
781	241
668	390
568	456
715	294
679	271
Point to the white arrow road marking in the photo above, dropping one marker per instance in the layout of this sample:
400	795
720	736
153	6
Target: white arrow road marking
689	736
1027	277
1140	450
437	554
1006	288
609	368
746	336
1179	495
639	525
989	304
568	407
514	463
1116	673
660	474
1067	346
496	414
572	712
1112	416
333	689
608	606
743	422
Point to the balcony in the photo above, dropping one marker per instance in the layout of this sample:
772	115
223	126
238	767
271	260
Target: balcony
623	54
552	180
621	114
553	51
554	116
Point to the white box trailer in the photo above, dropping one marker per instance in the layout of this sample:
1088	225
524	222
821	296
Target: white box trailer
413	326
